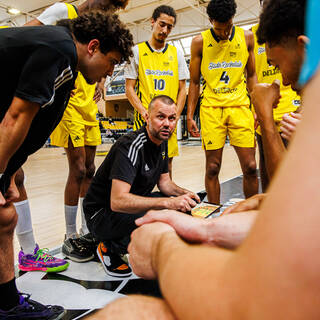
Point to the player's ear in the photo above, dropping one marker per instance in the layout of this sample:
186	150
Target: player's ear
93	46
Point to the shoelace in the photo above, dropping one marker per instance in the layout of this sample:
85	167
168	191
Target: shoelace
43	254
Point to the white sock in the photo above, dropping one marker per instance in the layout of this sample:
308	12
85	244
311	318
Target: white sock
70	213
84	227
24	229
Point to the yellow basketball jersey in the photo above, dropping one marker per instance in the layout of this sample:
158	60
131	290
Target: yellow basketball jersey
290	100
222	67
158	73
81	107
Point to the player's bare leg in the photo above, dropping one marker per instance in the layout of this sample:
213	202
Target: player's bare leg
8	221
90	152
249	168
77	172
135	307
213	164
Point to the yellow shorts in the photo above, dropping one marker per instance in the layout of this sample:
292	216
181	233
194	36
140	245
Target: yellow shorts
80	134
173	150
218	122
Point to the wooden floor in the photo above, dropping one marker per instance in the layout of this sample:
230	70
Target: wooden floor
47	171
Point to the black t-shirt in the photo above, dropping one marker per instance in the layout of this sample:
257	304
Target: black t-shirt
135	159
37	64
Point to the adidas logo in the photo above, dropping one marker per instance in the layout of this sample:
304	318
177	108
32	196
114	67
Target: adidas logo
145	54
146	168
76	138
210	45
209	142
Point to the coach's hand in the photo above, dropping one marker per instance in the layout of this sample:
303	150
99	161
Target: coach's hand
182	203
141	252
192	128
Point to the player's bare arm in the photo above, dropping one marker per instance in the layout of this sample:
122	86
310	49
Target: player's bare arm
225	231
133	98
181	99
14	128
194	87
250	67
263	99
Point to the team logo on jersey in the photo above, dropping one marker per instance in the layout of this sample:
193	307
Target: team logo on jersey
170	58
261	50
166	63
163	155
224	64
296	102
237	46
268	73
233	54
150	72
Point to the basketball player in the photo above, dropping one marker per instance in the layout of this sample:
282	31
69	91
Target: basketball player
289	102
79	133
33	102
157	68
222	55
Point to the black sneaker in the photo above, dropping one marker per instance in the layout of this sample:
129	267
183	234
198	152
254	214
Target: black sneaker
112	264
30	309
77	250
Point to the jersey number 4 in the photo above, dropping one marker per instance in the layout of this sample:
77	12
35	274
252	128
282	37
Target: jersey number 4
159	84
224	77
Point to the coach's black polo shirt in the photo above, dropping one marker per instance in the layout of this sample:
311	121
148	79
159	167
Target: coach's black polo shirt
135	159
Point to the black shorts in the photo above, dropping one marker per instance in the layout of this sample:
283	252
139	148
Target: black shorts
5	183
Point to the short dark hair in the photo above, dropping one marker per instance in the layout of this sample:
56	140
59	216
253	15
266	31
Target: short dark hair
163	98
112	34
221	10
280	21
166	10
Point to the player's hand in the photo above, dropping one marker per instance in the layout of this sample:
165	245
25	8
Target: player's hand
252	203
265	97
191	229
192	128
141	251
97	94
144	115
289	123
183	203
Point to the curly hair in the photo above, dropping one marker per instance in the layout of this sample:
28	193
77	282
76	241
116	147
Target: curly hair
281	20
166	10
221	10
118	4
104	26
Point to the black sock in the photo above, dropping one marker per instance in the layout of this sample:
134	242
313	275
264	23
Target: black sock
9	293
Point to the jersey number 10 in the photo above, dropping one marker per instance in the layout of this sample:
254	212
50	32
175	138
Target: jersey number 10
159	84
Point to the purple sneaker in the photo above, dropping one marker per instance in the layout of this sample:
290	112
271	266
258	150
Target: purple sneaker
30	309
40	260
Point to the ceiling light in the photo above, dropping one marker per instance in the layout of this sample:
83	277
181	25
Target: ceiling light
13	11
